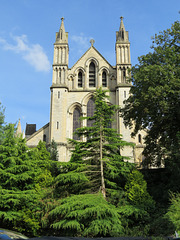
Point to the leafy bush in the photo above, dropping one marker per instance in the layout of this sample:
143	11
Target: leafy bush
173	213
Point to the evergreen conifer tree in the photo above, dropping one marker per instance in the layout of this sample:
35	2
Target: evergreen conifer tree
24	174
52	149
101	146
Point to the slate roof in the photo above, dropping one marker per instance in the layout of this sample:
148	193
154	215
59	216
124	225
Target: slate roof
30	129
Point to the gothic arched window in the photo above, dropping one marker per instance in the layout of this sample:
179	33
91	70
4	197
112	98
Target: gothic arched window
104	79
139	138
80	79
76	122
92	74
90	111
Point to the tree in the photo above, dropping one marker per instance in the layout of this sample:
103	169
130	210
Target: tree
88	215
155	95
173	213
1	123
24	177
138	207
52	149
101	143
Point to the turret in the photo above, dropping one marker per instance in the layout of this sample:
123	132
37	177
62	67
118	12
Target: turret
123	61
62	36
61	56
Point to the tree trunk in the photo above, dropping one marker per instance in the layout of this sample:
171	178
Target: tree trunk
103	190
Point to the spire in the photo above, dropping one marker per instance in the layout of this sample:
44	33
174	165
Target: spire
121	25
122	34
62	36
18	130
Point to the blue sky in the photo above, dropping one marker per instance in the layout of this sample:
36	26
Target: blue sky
27	35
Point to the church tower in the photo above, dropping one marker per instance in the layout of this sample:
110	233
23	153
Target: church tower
72	94
123	64
59	88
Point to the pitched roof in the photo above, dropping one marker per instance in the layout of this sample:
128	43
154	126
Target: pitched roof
87	52
30	129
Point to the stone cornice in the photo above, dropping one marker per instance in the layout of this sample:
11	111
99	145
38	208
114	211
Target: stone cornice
124	85
59	86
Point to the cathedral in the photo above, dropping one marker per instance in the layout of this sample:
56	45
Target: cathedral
72	93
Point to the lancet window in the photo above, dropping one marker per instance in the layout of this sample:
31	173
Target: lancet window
90	111
104	79
80	80
76	122
92	74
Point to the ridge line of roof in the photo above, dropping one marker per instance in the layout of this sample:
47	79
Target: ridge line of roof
38	131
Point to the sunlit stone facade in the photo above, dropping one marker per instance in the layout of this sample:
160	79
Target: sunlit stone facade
72	89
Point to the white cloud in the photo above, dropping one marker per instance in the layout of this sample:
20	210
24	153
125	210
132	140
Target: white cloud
82	42
32	53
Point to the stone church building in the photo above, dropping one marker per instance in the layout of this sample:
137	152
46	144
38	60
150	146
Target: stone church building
72	89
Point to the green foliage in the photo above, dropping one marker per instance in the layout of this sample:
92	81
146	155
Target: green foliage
173	213
24	176
116	173
88	215
173	166
101	146
154	100
52	149
138	206
136	190
71	180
